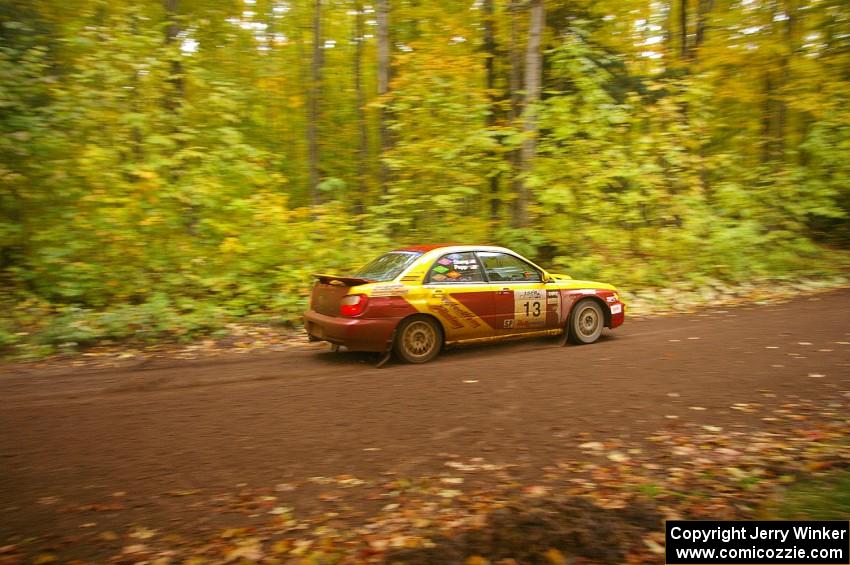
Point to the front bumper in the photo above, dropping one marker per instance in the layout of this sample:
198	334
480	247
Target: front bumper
356	334
618	314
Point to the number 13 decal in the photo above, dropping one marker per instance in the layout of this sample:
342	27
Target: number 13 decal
532	309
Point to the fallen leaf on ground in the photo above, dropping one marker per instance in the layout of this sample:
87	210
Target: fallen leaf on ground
592	446
555	557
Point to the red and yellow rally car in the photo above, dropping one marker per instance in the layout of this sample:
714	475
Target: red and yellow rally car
415	300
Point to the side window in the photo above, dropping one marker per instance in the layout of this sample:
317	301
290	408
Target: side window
456	268
502	267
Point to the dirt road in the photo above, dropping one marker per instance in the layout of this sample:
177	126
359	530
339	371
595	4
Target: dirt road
145	436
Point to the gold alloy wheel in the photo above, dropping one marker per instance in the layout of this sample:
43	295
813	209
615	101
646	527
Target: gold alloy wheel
588	321
419	339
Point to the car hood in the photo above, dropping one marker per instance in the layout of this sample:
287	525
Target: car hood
566	281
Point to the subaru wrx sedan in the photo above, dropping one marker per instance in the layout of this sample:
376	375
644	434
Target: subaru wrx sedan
416	300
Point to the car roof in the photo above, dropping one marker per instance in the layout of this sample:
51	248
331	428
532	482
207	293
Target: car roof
453	246
429	252
424	248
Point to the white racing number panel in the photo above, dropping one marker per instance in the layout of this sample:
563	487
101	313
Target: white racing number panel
530	308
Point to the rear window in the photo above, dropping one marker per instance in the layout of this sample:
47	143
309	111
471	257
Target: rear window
389	266
456	268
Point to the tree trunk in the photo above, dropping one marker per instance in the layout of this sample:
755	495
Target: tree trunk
172	30
490	68
515	83
775	112
135	107
768	119
515	88
703	9
362	138
533	68
382	8
173	102
668	53
313	106
683	29
785	127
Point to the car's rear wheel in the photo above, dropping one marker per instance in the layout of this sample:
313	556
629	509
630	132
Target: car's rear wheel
586	322
418	339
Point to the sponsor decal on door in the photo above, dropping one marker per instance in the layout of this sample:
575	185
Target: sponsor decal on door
530	308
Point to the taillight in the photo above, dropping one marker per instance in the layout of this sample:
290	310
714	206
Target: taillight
353	305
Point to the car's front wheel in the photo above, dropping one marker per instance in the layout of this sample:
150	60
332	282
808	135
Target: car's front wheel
418	339
586	322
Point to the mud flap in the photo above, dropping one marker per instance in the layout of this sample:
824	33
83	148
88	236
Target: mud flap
384	359
565	340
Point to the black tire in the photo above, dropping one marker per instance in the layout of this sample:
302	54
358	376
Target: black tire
586	322
418	339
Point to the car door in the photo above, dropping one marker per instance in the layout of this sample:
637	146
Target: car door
457	293
520	300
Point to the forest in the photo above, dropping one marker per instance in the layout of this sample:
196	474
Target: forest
170	166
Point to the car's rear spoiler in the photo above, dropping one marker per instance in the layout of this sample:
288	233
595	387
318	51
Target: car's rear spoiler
341	281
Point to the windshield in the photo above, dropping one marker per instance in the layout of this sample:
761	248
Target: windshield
389	266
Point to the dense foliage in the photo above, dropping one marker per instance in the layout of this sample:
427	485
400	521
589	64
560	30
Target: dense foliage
157	174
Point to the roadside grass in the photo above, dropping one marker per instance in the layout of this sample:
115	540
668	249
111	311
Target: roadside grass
821	498
34	330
